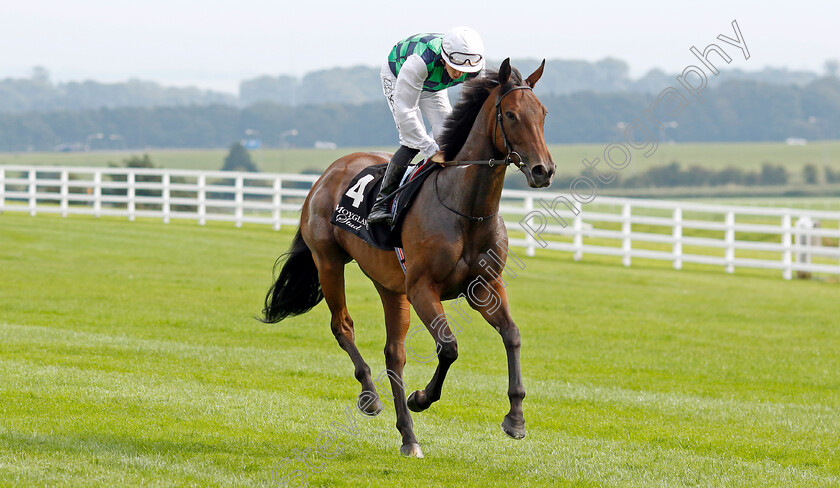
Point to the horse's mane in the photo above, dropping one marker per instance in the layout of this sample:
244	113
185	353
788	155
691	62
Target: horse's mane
475	91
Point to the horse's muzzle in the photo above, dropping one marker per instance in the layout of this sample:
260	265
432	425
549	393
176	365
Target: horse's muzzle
540	175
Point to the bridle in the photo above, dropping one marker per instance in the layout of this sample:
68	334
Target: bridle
509	159
508	147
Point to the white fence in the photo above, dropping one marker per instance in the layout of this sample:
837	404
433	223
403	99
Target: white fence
679	232
161	193
682	232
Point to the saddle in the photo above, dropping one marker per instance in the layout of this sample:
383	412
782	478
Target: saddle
352	210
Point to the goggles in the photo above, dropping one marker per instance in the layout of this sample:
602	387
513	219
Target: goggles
463	59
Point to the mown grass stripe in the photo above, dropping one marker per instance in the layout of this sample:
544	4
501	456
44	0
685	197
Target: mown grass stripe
602	460
812	418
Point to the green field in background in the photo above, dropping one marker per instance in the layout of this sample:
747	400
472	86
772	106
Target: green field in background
129	356
810	203
748	156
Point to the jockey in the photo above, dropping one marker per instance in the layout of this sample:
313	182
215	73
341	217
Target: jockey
414	80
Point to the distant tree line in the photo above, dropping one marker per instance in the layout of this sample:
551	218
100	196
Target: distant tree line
673	175
360	84
734	111
211	126
354	85
347	85
37	93
811	174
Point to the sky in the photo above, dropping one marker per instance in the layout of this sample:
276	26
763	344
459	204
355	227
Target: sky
214	44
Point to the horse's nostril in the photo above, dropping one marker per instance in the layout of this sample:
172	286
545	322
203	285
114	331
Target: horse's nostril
538	171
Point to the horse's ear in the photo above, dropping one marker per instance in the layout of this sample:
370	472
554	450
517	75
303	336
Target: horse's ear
535	76
504	72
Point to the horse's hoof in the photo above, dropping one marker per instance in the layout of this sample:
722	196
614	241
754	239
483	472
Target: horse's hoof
369	404
411	450
412	402
515	429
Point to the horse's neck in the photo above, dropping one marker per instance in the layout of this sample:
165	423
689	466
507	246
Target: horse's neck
476	190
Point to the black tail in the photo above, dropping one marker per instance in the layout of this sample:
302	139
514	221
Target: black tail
297	288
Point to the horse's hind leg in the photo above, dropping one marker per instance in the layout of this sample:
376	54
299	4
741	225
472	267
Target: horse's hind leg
397	318
331	274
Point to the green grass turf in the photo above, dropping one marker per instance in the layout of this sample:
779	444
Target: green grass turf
129	356
747	156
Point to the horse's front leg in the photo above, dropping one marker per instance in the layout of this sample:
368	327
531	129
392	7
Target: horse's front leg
425	299
491	301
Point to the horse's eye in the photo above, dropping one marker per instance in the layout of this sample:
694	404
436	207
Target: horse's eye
510	115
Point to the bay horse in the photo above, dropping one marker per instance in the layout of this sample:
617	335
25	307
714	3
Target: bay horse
449	234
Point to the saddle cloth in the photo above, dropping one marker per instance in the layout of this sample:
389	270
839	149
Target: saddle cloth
352	210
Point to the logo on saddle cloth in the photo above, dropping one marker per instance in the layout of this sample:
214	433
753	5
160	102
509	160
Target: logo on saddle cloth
349	218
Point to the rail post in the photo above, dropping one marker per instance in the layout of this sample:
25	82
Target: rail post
97	193
677	235
166	208
803	241
202	199
787	254
277	201
529	239
130	192
65	193
239	200
626	230
2	189
33	200
729	256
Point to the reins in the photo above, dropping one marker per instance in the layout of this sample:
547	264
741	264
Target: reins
447	207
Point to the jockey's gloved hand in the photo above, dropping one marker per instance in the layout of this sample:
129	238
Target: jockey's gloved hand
438	158
430	150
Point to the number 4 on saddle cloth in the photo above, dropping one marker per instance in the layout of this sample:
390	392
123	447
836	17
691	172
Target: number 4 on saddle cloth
352	210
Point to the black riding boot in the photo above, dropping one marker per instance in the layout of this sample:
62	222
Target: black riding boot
390	182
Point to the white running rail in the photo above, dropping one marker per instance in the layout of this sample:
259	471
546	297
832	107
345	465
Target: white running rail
680	232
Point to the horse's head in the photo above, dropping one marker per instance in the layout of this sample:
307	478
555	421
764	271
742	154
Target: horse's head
519	126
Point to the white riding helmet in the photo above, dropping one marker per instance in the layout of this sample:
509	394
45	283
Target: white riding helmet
463	49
